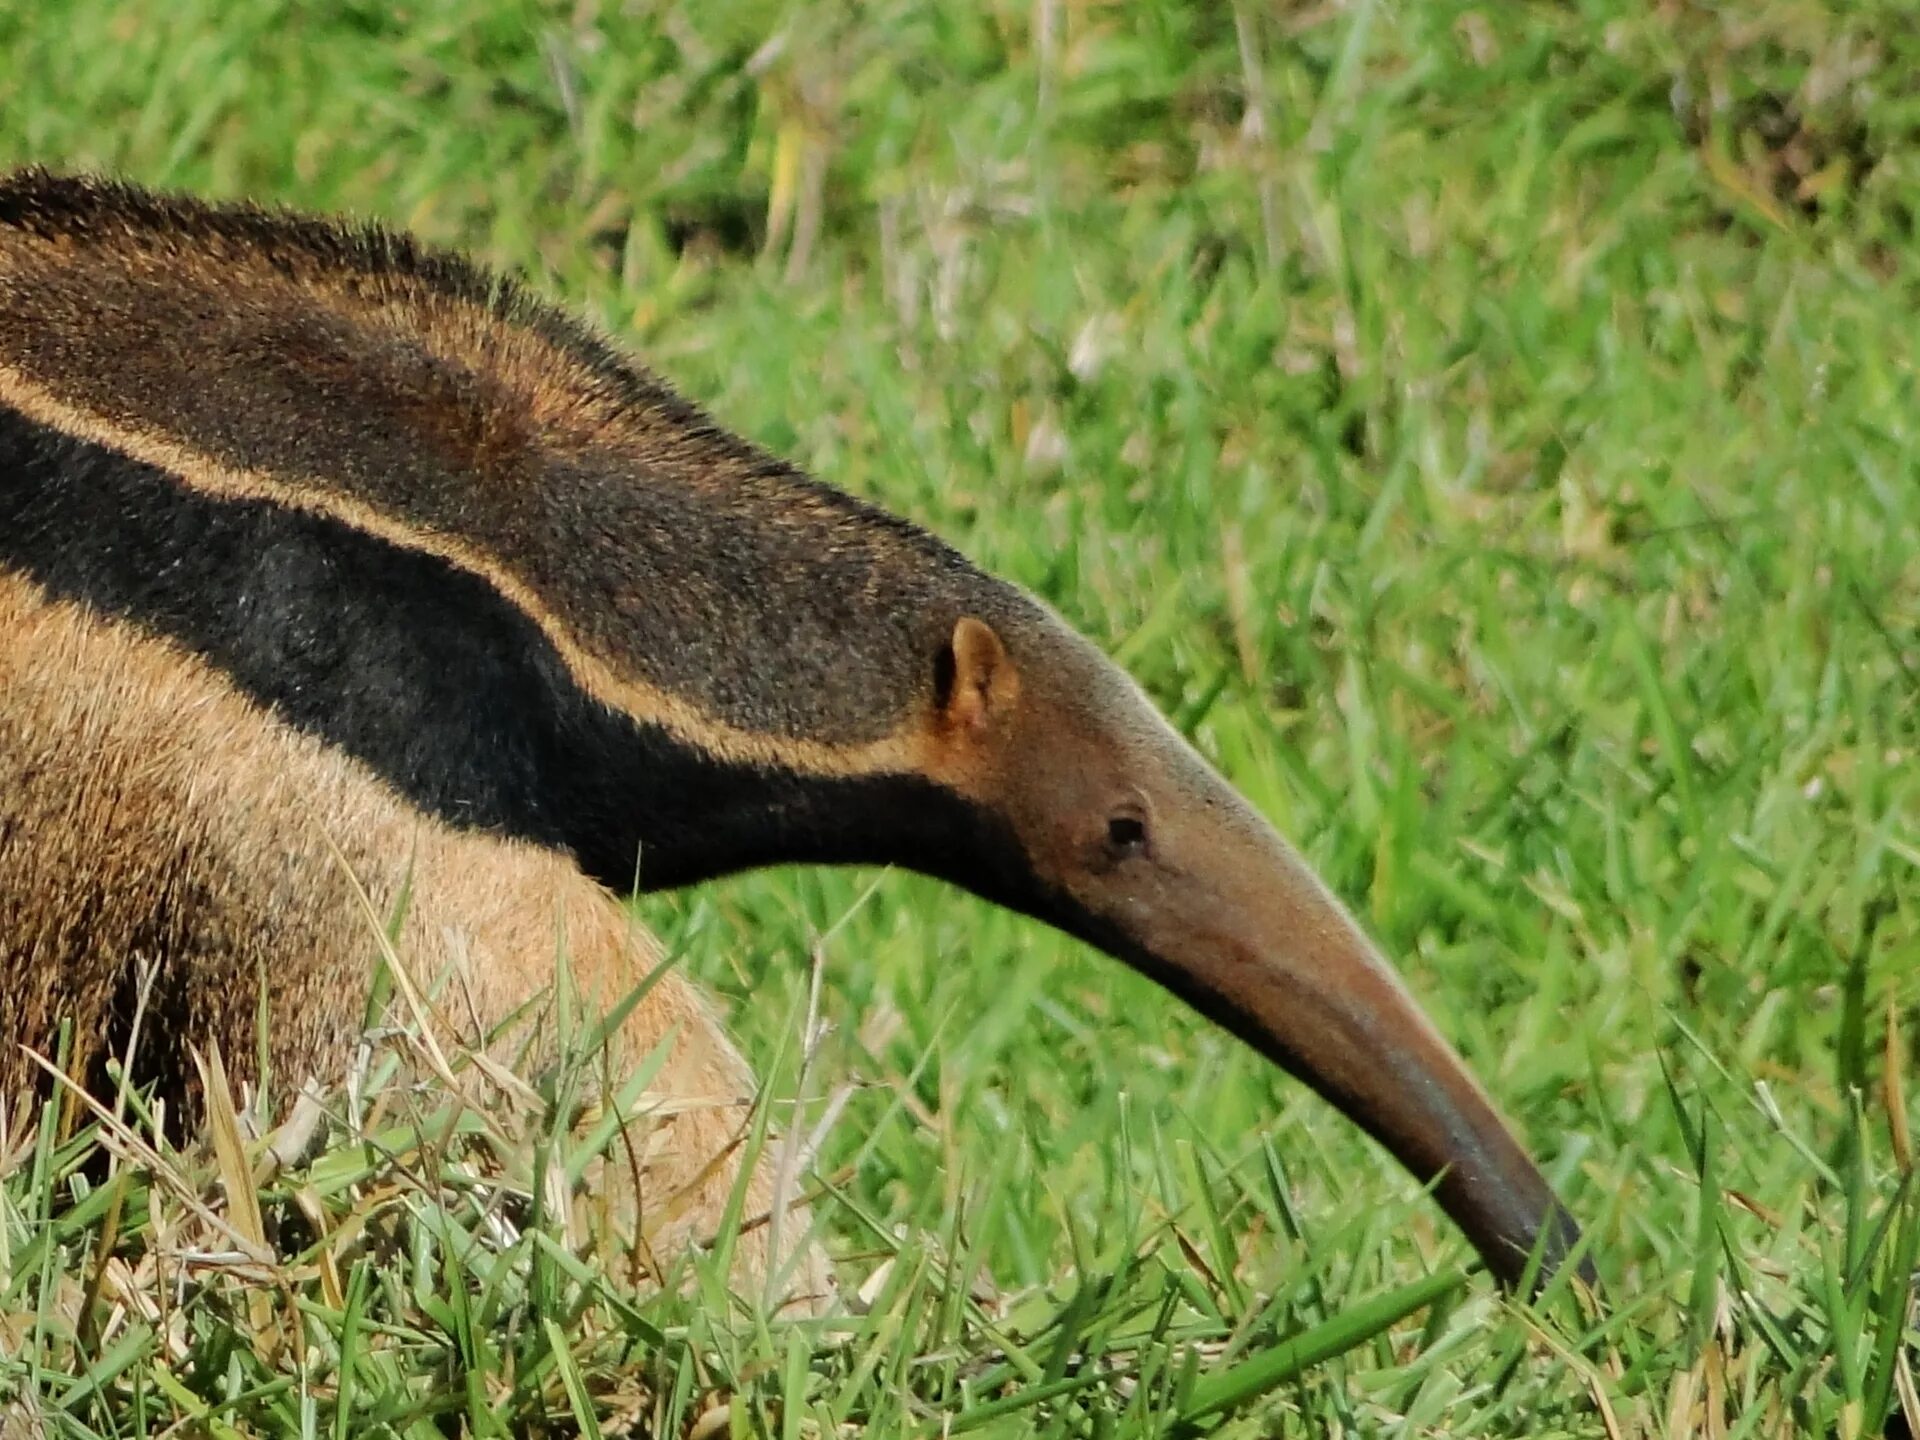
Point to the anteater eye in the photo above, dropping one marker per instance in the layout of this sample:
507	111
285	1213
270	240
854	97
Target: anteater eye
1126	835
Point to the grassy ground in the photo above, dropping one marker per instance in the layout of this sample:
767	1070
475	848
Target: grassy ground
1491	432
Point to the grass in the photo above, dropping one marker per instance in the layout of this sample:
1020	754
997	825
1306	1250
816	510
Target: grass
1489	431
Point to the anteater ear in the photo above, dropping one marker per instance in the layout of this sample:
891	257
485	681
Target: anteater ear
974	679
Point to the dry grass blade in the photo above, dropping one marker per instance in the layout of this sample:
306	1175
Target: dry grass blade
792	1154
426	1023
1909	1393
1893	1089
128	1145
102	1255
290	1139
229	1148
236	1179
1595	1381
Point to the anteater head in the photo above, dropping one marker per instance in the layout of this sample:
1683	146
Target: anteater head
1119	833
411	511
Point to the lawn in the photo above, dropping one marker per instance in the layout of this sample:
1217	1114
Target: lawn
1492	433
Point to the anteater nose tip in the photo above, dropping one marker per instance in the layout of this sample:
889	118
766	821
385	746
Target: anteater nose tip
1523	1232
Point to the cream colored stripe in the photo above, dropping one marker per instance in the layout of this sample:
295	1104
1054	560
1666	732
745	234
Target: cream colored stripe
644	702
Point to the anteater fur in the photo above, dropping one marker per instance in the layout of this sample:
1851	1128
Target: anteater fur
313	539
289	590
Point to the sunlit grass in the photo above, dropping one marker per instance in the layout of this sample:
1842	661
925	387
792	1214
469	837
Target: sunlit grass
1490	433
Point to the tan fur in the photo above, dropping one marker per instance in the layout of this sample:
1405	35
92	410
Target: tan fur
292	330
901	751
148	811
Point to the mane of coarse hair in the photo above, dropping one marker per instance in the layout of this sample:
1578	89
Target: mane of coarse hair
375	261
687	577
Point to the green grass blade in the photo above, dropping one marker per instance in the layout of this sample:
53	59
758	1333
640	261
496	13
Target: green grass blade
1286	1361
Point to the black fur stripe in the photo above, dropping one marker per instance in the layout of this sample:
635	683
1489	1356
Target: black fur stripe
429	677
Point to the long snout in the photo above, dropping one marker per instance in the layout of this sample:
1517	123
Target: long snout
1251	937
